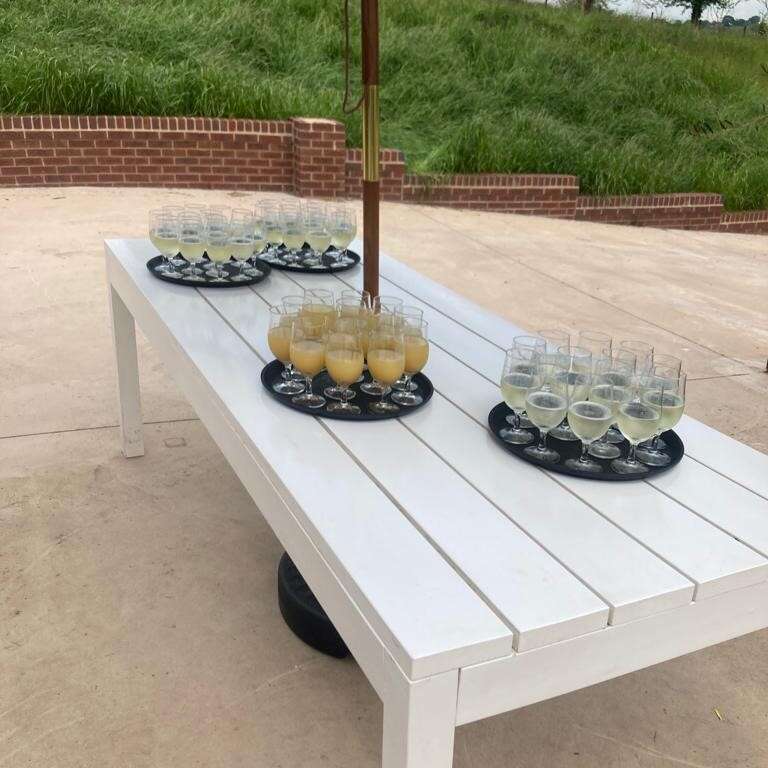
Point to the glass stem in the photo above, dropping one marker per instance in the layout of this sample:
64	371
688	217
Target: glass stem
542	446
631	455
309	385
655	443
516	419
584	458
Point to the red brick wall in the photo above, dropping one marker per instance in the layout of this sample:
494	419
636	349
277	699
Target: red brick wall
308	156
687	211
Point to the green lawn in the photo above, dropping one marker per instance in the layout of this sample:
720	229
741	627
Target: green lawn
468	85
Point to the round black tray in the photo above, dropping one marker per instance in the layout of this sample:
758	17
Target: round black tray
497	420
232	268
272	373
327	267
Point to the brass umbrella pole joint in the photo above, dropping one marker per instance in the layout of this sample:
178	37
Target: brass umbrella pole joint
371	181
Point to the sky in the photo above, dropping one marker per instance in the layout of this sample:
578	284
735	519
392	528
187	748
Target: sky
743	10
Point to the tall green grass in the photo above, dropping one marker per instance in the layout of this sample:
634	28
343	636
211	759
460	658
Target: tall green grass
468	85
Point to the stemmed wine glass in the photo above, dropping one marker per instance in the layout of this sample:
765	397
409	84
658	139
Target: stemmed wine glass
407	316
611	386
589	419
343	228
164	235
517	378
344	361
293	225
217	246
669	396
352	303
416	343
192	245
546	406
341	327
271	224
308	341
386	362
279	339
573	380
319	303
638	420
537	346
318	235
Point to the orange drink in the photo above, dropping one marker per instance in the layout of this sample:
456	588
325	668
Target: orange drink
308	341
308	355
416	353
345	366
279	340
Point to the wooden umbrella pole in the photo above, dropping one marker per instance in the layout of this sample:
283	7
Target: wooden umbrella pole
371	184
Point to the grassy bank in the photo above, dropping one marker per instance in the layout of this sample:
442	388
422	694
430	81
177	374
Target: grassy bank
469	85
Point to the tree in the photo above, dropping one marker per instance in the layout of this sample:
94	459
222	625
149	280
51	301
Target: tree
697	7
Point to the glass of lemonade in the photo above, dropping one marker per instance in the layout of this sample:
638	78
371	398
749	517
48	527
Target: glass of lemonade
279	340
164	235
352	303
546	404
668	394
293	225
590	420
350	328
343	229
638	421
516	380
386	362
416	345
344	362
308	340
318	234
192	244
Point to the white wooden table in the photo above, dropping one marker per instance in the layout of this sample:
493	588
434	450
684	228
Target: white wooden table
466	583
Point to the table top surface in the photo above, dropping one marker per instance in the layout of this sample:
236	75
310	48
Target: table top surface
455	551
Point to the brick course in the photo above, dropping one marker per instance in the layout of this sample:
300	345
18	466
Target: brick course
309	157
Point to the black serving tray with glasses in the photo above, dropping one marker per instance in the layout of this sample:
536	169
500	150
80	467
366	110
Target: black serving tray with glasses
259	271
272	374
571	449
308	262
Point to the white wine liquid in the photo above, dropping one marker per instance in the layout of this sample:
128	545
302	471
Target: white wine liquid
274	235
572	384
191	247
218	253
612	397
241	247
341	237
589	420
672	407
545	409
514	388
318	241
637	421
165	242
294	240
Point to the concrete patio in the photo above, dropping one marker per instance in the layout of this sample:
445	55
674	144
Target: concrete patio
138	621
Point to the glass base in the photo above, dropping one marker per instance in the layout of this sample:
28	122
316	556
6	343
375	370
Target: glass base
375	390
407	398
289	387
587	467
515	436
604	451
336	393
542	454
625	467
352	410
653	458
525	422
563	432
613	436
399	385
194	278
309	400
173	274
383	407
162	267
239	277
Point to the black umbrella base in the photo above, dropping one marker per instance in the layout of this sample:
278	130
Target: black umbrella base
303	613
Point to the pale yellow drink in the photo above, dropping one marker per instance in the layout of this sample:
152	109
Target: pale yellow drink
637	421
218	252
318	240
589	420
345	366
308	356
613	397
341	237
163	242
416	353
386	365
279	340
241	247
514	388
294	240
192	248
274	235
320	312
672	406
546	409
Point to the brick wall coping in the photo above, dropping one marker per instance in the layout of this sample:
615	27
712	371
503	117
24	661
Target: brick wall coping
674	200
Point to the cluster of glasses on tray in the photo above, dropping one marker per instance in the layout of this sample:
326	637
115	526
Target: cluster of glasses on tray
342	334
281	233
595	390
311	235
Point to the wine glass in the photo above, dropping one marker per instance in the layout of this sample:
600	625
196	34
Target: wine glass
164	235
669	396
217	246
516	380
294	227
538	346
597	342
343	228
611	385
344	361
643	353
353	303
341	327
241	242
416	343
192	245
175	212
386	362
308	340
383	322
574	381
546	407
386	305
269	218
319	303
279	340
590	420
638	420
318	234
407	316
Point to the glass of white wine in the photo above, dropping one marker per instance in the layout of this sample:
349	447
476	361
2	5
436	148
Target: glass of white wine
308	340
537	346
638	420
573	380
386	362
217	239
669	396
516	380
643	353
192	245
546	406
293	225
590	420
318	235
343	229
416	344
611	385
344	362
164	235
268	215
259	244
241	242
279	339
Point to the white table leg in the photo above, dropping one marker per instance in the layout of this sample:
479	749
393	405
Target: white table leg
124	336
419	723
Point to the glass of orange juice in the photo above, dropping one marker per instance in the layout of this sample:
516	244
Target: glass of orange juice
344	363
279	340
416	346
308	340
320	304
386	362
